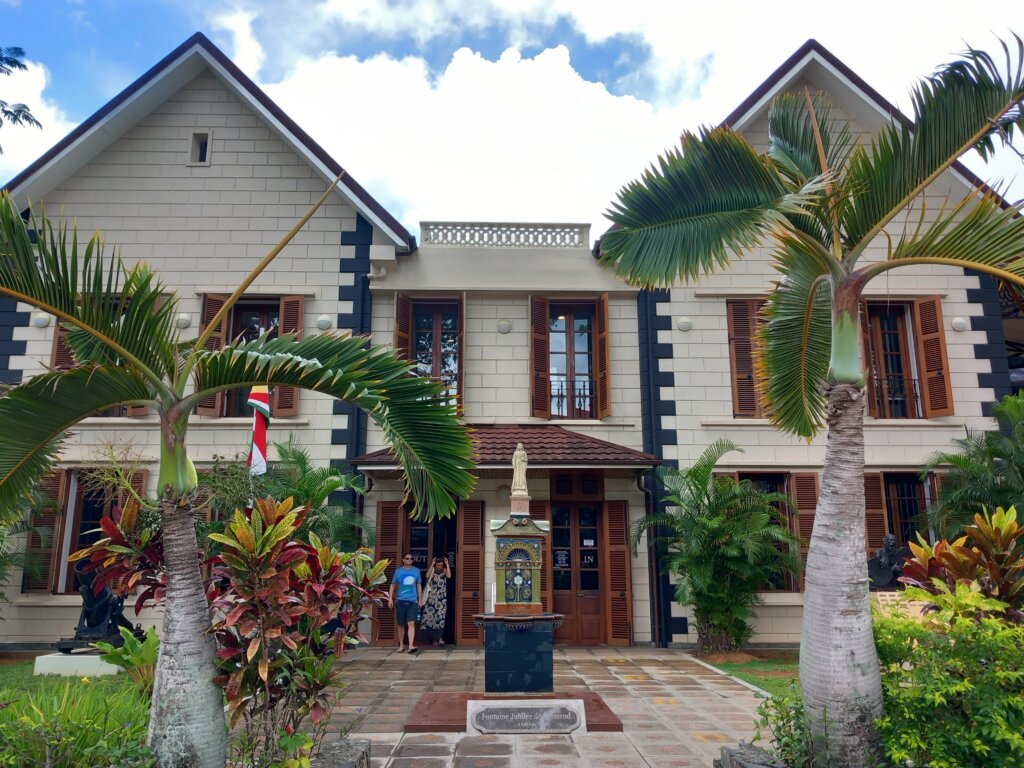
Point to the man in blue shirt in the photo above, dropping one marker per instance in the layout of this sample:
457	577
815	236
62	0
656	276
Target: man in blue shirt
408	583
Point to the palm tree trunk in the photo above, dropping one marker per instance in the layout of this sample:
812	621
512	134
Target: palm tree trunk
839	672
186	721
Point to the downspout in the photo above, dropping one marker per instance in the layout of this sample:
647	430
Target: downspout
653	580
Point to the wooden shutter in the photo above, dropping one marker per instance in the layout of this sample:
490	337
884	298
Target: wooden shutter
803	490
389	547
541	511
540	377
403	326
742	322
868	360
62	357
618	592
876	519
469	581
291	313
212	303
932	361
43	546
460	353
601	350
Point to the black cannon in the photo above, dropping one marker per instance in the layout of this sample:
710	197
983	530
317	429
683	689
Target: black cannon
101	617
886	566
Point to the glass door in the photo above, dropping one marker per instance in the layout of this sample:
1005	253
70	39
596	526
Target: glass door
576	575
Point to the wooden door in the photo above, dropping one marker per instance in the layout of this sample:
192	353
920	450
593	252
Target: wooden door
469	575
576	572
390	534
618	589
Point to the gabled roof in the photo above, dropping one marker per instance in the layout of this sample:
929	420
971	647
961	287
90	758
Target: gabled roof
547	445
164	79
814	56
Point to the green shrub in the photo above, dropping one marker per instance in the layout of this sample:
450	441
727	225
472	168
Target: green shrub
953	688
75	724
781	725
137	659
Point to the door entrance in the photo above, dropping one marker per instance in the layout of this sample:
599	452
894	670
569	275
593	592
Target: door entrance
576	574
437	539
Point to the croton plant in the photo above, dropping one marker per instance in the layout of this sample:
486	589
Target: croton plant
283	610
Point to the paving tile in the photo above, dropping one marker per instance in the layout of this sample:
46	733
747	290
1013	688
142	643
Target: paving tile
481	762
420	762
485	746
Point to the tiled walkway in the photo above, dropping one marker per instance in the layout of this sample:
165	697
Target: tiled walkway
675	712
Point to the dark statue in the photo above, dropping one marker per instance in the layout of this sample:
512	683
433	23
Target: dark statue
886	566
102	614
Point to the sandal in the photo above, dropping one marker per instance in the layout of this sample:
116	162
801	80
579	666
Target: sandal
414	650
401	650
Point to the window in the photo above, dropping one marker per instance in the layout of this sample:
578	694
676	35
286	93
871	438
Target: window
247	320
742	318
569	359
430	334
69	521
905	357
199	148
896	503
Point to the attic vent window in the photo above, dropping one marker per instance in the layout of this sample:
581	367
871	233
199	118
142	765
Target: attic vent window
199	154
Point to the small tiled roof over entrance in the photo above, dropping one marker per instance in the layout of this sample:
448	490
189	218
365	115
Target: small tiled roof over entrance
548	445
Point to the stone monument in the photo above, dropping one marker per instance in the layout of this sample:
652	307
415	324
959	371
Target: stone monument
519	636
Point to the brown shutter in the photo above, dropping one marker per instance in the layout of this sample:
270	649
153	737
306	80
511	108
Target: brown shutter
541	511
742	322
540	378
460	353
62	357
868	360
803	490
389	543
932	361
603	383
212	303
618	592
292	310
403	326
43	546
470	577
875	517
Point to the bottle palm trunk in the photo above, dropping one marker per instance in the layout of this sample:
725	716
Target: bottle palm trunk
840	680
186	723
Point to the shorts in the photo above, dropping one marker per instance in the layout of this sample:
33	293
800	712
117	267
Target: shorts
406	611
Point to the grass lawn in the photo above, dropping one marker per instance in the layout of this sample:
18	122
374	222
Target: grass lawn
18	677
779	673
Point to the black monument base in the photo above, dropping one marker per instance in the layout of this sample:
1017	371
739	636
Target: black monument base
518	652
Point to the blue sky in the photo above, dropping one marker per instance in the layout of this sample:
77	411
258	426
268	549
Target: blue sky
479	109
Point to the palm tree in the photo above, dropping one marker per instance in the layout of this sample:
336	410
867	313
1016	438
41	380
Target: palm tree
295	475
15	114
821	200
986	472
128	352
723	540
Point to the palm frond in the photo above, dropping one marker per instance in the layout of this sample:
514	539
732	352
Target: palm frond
965	105
978	230
89	289
416	420
712	197
792	352
36	415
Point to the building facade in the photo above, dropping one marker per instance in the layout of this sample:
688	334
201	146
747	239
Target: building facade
193	170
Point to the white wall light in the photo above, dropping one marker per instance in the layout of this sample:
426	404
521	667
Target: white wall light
503	492
684	323
323	322
504	326
40	319
959	324
183	320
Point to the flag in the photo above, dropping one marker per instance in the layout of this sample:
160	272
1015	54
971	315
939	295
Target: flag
259	399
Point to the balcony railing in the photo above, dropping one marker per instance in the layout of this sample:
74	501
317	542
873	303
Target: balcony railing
573	398
505	235
896	397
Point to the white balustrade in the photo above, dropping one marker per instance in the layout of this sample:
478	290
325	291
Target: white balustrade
505	235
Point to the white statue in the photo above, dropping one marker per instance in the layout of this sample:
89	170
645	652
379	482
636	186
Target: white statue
519	471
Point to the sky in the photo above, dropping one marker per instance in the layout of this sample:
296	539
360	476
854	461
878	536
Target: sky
485	110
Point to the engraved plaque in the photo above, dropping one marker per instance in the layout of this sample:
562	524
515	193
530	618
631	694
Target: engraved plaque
541	716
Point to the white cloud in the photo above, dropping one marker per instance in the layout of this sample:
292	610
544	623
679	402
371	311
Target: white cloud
23	144
246	51
518	139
